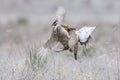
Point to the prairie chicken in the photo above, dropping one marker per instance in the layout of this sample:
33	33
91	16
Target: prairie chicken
59	33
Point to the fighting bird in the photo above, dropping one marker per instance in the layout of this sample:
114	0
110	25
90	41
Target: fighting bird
82	35
68	37
59	33
73	42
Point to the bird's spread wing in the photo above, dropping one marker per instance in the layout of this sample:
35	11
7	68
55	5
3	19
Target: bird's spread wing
84	33
52	41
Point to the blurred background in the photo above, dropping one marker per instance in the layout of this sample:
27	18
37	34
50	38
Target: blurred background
27	22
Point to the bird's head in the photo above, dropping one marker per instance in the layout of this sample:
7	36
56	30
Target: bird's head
65	25
55	22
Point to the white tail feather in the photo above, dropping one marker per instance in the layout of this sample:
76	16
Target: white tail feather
84	33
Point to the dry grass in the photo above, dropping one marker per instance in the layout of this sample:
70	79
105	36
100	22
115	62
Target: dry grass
98	63
18	62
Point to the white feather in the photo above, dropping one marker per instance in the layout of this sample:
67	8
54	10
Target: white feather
84	33
60	14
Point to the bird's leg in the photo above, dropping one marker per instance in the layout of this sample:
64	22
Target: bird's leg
75	55
75	50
